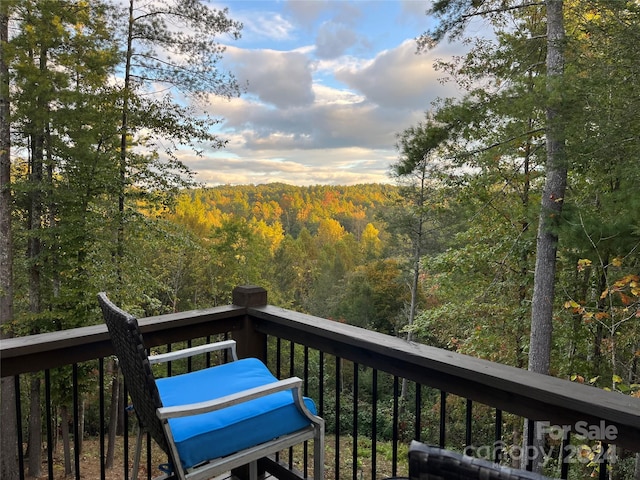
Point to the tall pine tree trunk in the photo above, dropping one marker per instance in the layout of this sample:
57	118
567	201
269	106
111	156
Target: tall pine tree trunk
66	441
552	201
9	439
34	250
124	131
122	405
418	240
35	429
552	198
113	412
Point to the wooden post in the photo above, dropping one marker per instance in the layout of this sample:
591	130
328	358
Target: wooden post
251	343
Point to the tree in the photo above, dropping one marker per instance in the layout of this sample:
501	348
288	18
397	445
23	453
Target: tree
60	60
416	168
183	60
9	438
374	297
370	243
454	16
587	125
601	221
553	195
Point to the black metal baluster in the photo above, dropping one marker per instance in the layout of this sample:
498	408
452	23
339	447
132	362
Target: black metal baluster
291	374
126	431
443	418
306	370
278	372
292	359
355	423
101	415
321	384
337	414
374	424
47	399
418	409
76	422
149	456
16	385
396	421
497	455
305	447
468	423
566	454
189	359
604	461
531	427
278	354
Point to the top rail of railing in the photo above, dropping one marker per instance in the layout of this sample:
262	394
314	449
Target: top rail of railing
613	416
35	353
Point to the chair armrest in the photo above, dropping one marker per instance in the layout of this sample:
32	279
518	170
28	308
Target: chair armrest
190	352
293	383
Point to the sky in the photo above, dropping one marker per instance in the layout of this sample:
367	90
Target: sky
328	86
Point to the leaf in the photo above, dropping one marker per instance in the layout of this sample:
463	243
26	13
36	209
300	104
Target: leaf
616	262
584	263
623	388
626	299
616	379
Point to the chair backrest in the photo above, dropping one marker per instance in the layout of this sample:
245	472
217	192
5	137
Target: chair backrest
132	355
433	463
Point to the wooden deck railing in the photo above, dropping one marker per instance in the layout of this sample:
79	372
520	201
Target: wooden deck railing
259	328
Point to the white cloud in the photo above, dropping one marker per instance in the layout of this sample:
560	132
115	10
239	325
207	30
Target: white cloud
279	78
334	39
323	112
306	12
397	78
351	165
267	25
332	96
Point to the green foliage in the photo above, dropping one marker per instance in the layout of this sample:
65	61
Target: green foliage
301	243
374	297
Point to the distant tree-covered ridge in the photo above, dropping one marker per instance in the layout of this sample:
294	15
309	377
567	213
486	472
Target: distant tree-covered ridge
312	247
294	207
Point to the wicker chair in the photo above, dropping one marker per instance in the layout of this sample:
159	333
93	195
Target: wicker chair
215	419
433	463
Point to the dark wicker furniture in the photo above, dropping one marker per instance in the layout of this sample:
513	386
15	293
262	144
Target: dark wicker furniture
187	414
433	463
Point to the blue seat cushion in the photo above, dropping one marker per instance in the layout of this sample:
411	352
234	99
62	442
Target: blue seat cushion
216	434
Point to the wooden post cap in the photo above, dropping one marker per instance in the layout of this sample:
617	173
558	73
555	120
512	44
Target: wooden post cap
249	296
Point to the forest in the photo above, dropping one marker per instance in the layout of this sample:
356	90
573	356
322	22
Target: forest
448	253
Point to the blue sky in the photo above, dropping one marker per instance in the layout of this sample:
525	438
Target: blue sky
329	85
